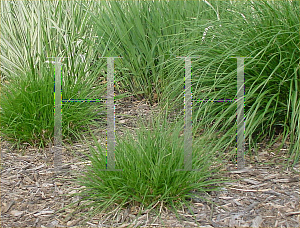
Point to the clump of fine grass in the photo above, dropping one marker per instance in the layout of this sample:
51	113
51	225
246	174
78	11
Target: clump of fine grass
265	31
148	162
27	109
32	34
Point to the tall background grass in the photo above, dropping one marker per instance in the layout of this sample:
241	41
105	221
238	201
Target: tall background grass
149	35
268	33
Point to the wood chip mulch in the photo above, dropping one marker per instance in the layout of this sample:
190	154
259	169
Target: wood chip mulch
265	195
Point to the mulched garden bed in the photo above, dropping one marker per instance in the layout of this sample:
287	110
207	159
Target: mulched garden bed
265	195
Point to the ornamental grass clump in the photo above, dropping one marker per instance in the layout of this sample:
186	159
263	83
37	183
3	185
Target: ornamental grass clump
27	109
149	162
33	33
141	32
267	34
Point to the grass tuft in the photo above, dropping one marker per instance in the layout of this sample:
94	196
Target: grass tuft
149	171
